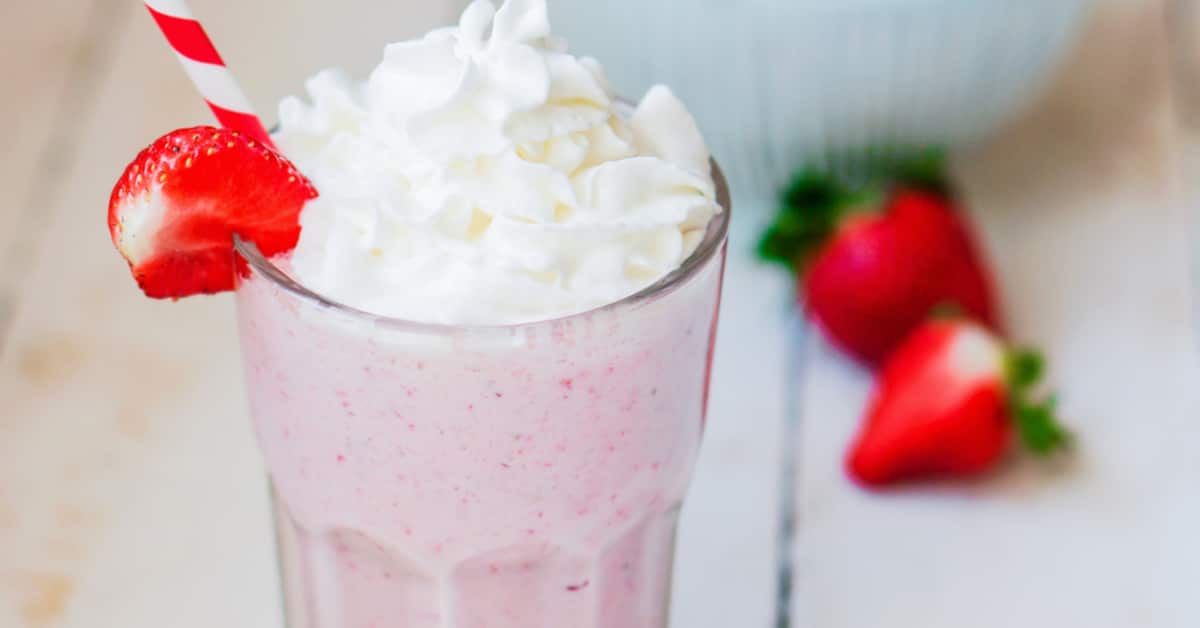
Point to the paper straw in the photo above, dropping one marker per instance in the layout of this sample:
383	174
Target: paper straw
206	68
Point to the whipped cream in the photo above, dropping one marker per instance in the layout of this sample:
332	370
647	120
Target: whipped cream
483	175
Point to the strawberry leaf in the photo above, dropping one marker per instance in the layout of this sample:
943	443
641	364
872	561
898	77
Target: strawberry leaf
1036	423
813	188
808	214
815	201
925	169
1039	429
1024	367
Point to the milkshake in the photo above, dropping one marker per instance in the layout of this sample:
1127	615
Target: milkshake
441	458
455	477
477	346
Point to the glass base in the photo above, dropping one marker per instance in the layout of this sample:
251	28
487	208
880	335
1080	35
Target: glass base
342	578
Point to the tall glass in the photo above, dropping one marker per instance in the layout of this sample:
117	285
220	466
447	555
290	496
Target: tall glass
519	476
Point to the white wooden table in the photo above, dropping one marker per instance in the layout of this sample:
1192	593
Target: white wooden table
132	495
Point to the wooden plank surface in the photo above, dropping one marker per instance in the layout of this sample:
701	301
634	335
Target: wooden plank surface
141	499
1093	263
50	74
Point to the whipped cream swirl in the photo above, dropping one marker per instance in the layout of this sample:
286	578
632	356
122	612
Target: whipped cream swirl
483	175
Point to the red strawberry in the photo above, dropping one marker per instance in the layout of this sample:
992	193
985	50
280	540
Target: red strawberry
946	403
874	266
880	275
175	210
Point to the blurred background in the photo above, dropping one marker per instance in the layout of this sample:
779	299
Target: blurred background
131	494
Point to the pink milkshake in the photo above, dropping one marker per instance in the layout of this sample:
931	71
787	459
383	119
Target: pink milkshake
480	379
516	476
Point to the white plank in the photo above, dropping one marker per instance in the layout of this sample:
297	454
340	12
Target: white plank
49	40
106	398
727	560
1094	266
46	87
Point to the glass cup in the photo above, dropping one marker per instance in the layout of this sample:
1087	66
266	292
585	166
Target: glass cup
466	476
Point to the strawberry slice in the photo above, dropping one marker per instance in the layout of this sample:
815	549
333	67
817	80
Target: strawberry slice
945	404
175	210
874	262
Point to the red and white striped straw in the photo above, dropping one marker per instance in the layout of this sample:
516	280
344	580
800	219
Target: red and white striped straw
206	68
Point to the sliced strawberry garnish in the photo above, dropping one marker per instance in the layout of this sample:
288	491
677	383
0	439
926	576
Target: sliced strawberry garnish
946	403
175	210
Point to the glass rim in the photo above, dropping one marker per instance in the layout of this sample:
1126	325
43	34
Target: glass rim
714	239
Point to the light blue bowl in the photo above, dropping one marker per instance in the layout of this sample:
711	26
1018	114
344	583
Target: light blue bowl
778	84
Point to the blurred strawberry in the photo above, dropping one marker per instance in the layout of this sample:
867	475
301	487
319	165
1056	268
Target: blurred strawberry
874	264
945	404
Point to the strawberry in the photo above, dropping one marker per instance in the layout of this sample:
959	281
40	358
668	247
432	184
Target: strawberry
946	404
873	265
175	210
